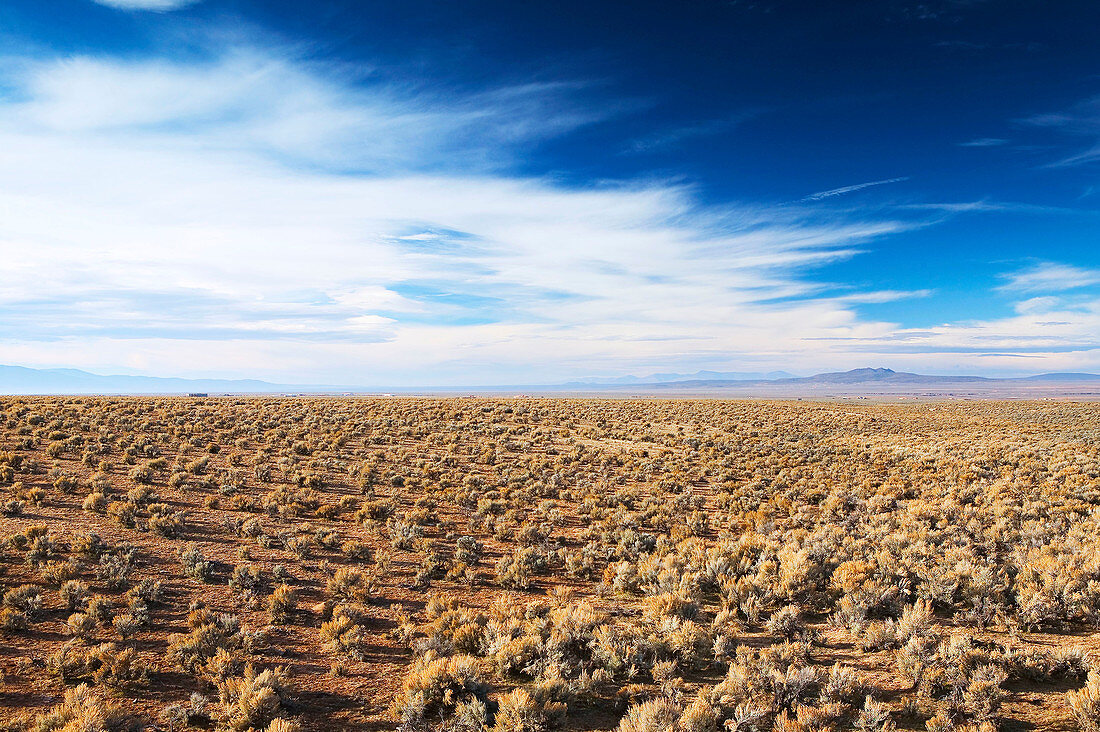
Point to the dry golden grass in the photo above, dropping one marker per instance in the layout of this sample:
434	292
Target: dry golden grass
530	565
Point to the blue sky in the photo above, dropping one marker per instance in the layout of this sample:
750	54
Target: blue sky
428	193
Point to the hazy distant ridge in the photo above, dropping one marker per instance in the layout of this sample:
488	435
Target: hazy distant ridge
22	380
881	376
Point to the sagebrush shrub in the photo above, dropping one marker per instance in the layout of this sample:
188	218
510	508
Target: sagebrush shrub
435	686
195	565
254	700
1084	703
82	710
283	604
654	715
520	711
25	598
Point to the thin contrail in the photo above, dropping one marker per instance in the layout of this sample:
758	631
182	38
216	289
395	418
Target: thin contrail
850	189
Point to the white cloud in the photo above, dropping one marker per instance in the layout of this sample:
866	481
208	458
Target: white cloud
155	5
258	215
1049	277
881	296
255	100
1043	304
1072	332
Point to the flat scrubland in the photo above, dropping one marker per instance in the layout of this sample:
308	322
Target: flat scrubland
527	565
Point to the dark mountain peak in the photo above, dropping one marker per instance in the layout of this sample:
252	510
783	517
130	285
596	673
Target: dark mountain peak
857	376
868	372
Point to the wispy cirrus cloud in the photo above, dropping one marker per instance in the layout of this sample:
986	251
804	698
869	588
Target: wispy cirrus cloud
672	138
252	99
1081	121
984	142
1049	277
154	5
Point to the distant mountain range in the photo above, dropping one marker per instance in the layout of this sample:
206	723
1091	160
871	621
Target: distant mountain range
21	380
1072	377
869	376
